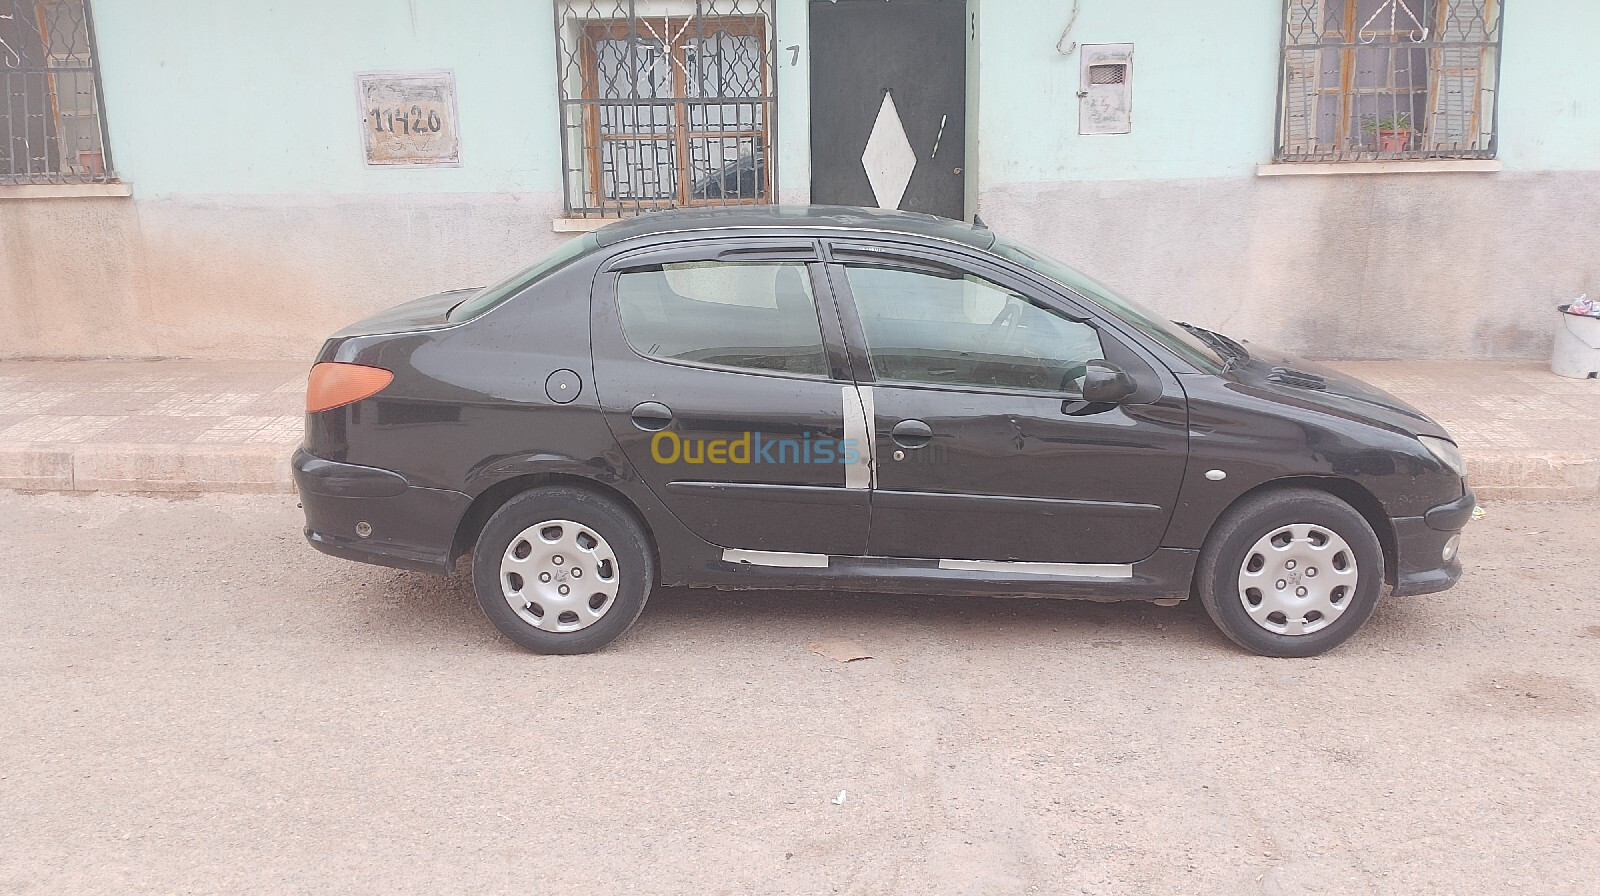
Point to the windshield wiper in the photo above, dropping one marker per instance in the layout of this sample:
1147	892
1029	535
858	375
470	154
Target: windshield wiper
1231	350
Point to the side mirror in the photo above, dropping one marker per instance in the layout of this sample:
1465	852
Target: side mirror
1105	382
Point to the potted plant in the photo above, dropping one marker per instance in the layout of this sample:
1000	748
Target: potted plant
92	161
1394	131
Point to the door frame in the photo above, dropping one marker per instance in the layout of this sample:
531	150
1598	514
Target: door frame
610	345
1156	380
969	104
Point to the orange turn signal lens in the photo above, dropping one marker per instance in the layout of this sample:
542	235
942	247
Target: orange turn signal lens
333	384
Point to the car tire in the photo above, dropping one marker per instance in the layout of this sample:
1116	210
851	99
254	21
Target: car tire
1290	573
561	570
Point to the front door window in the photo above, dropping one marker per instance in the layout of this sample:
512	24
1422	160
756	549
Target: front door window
951	329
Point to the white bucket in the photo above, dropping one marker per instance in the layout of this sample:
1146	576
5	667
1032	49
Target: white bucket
1577	349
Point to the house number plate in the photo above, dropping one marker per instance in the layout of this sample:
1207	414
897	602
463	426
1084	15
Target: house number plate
409	118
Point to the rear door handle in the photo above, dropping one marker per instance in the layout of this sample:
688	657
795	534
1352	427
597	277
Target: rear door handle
651	416
911	434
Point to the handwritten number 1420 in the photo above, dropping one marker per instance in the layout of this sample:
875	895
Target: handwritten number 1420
392	120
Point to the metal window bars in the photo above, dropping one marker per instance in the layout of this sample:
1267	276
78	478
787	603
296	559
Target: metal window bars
1375	80
665	103
52	116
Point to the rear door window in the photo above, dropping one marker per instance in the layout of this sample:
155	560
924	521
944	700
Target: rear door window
743	315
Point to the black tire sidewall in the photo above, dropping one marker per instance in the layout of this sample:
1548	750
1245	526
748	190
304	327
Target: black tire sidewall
635	566
1242	527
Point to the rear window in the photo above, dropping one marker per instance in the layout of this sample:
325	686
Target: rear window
491	296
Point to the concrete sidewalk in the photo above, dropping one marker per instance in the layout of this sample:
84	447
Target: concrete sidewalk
150	425
230	426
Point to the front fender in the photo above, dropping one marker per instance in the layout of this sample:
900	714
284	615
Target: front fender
1241	439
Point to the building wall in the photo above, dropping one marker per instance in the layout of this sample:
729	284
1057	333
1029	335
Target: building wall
255	229
1459	265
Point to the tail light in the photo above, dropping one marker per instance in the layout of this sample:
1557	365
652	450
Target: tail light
334	385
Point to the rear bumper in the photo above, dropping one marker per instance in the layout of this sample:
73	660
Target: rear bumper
411	527
1420	541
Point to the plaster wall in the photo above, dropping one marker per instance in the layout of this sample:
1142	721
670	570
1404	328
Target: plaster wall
1432	266
243	276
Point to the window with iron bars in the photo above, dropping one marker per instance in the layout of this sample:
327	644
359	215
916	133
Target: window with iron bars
52	119
1374	80
665	103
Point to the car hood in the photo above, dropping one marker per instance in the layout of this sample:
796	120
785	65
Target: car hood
1292	378
417	314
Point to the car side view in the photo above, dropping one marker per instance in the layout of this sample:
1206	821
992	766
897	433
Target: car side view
861	401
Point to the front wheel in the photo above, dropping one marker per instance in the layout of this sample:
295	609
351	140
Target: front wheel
561	570
1290	573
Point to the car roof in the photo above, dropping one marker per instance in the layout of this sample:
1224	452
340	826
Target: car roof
797	219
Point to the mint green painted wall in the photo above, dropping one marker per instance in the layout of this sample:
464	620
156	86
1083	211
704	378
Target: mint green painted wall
259	98
209	97
205	97
794	99
1205	84
1550	85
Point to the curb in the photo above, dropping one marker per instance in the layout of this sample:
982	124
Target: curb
1529	475
244	469
1495	474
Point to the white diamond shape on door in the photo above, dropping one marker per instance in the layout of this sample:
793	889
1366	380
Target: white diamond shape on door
889	158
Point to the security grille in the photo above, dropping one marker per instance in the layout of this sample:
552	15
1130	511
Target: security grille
1366	80
1107	74
52	119
665	104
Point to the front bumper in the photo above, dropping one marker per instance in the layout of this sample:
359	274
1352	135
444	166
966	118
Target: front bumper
1420	567
411	527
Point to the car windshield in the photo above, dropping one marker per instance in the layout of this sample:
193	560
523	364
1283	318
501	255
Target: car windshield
1180	341
491	296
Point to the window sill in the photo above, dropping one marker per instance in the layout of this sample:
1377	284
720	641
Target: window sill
583	225
1418	166
65	191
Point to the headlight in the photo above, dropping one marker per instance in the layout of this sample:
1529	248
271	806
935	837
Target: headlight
1446	451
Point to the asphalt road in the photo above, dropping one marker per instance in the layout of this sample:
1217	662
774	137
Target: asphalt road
194	702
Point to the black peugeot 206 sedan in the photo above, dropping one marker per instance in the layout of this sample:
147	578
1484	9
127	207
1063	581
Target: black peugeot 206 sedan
862	401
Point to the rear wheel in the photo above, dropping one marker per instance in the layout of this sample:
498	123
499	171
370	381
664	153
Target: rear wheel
561	570
1290	573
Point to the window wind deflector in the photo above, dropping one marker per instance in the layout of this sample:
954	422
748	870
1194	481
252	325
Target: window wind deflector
769	253
889	258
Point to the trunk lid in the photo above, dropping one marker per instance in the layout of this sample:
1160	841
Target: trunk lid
418	314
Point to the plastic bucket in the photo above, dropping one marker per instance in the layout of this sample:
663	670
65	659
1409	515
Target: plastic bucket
1577	348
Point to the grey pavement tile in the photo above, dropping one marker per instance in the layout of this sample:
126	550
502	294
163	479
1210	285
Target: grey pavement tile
102	403
57	429
242	430
276	404
151	429
202	404
30	401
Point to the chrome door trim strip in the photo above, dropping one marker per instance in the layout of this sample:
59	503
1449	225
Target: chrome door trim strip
869	409
1075	570
858	431
783	559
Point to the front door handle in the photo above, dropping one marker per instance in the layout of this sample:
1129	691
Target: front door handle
911	434
651	416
